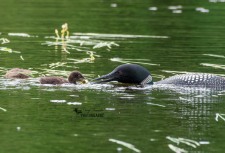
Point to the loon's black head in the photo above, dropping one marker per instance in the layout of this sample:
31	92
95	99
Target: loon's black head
128	73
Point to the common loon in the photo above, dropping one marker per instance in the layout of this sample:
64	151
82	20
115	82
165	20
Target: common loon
74	77
136	74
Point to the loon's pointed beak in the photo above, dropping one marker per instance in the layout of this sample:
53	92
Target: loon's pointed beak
106	78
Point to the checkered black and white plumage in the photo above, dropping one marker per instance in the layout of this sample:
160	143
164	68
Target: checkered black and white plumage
195	79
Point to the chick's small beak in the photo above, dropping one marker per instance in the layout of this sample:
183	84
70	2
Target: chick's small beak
82	81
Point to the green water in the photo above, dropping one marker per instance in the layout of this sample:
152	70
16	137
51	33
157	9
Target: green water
101	118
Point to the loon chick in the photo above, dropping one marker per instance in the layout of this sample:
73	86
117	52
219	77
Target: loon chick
17	73
136	74
74	77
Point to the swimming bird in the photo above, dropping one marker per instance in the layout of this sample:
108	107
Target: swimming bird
74	77
128	73
136	74
17	73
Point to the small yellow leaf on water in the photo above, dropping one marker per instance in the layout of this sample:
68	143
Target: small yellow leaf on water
57	33
65	26
64	30
92	58
21	57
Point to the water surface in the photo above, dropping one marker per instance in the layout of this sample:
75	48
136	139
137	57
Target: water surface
166	37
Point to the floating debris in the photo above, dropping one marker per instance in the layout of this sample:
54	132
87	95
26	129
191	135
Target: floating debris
58	101
175	7
219	116
92	58
110	109
177	11
125	144
127	97
177	149
218	66
18	128
35	98
19	34
65	50
202	10
74	95
153	8
98	35
9	50
204	142
21	57
119	149
64	31
58	64
75	135
152	139
84	60
3	109
57	33
188	142
155	104
6	49
184	99
216	1
214	55
74	103
113	5
200	96
105	44
4	40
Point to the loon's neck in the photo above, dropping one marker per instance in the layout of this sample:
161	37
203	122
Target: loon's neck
147	80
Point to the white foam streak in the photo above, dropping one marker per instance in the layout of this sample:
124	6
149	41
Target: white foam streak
219	116
214	55
216	1
202	10
120	35
136	61
177	149
110	109
58	101
125	144
3	109
188	142
74	103
175	7
218	66
19	34
155	104
153	8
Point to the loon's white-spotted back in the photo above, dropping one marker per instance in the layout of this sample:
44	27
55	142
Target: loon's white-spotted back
195	79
